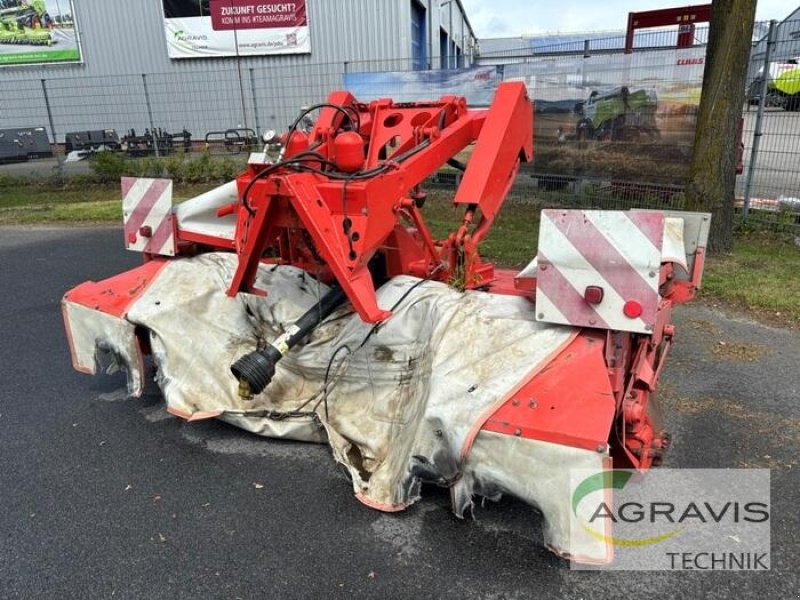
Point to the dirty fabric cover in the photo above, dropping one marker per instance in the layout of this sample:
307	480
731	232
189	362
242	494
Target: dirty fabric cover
400	404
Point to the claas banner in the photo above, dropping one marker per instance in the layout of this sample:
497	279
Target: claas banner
215	28
35	32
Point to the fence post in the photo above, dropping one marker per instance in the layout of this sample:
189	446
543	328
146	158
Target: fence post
762	100
150	114
586	54
241	89
255	102
52	127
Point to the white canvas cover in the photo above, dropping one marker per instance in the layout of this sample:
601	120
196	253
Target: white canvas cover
398	403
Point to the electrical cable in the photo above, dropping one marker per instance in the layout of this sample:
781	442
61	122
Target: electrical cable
372	330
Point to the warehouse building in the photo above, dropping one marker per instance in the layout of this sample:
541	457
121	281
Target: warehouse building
787	40
207	64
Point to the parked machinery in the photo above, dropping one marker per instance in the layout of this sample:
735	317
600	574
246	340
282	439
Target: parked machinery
310	300
92	140
783	84
22	143
146	144
231	141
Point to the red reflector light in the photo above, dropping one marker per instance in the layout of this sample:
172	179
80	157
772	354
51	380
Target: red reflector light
632	309
593	294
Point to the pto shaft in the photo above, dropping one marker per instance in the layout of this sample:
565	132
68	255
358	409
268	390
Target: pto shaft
254	371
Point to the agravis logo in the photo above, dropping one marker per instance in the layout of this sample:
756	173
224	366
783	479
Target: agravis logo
652	513
609	480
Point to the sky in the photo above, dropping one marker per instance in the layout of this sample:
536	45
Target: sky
510	18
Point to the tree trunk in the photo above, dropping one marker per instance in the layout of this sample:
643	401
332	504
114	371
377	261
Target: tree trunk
712	175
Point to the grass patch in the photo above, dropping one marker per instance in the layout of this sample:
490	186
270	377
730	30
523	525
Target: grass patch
513	237
759	276
72	204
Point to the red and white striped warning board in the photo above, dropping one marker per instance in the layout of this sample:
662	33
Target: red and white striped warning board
599	268
147	216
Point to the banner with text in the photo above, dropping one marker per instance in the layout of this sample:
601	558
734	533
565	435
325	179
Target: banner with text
216	28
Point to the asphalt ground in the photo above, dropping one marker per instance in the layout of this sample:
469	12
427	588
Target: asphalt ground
776	168
107	497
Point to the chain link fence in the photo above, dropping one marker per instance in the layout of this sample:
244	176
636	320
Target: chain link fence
612	130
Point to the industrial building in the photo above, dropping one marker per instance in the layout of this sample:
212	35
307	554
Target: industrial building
787	37
126	74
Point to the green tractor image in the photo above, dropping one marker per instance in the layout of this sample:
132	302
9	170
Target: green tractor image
617	115
783	85
25	22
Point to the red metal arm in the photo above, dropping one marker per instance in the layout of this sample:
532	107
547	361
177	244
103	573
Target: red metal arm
321	214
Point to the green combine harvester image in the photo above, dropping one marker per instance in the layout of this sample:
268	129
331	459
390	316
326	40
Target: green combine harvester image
618	114
25	22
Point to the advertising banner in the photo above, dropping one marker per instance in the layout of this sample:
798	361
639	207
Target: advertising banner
620	117
476	84
611	117
34	32
216	28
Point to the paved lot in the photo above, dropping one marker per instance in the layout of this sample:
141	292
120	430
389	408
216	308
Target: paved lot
106	497
776	172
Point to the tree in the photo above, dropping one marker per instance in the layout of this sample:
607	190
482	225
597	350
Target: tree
712	176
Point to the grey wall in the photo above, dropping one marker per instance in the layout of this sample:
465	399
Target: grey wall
122	39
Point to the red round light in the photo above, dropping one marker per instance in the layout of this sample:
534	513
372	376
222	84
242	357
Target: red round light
632	309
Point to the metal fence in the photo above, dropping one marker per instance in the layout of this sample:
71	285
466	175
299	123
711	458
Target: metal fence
612	130
769	189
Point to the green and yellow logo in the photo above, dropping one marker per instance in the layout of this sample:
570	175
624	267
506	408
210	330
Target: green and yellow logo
610	480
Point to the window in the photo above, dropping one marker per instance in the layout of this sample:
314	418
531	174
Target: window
419	56
443	46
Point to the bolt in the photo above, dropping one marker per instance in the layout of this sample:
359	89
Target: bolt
652	273
592	321
515	402
540	316
543	267
532	403
601	448
518	432
438	433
